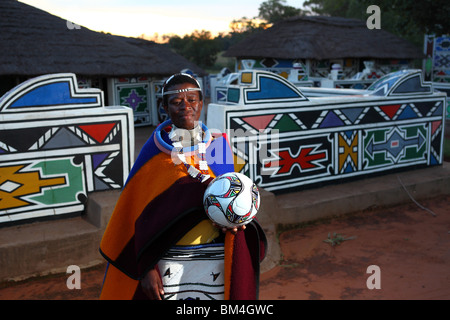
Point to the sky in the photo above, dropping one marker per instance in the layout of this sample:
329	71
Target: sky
134	18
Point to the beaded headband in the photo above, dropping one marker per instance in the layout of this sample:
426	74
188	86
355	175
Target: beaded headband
164	92
181	90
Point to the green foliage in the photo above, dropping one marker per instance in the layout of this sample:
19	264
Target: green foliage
407	19
246	25
198	47
274	10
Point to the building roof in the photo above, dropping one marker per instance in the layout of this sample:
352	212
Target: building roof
35	42
319	37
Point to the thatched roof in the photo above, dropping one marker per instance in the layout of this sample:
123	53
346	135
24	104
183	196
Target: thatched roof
35	42
317	37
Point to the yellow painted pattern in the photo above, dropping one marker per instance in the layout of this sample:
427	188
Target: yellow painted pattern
23	184
346	150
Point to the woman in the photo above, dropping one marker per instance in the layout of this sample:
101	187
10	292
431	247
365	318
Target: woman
159	216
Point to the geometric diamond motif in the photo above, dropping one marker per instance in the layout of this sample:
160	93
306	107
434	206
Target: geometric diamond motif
9	186
269	62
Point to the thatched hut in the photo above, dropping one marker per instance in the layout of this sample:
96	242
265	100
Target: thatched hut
35	42
318	42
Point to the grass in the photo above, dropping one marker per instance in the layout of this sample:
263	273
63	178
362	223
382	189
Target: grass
336	239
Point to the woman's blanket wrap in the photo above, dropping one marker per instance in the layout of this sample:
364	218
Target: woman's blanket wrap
158	205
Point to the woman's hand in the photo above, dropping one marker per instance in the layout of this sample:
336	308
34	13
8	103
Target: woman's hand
152	285
232	230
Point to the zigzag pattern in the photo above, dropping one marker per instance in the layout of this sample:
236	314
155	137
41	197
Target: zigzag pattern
295	121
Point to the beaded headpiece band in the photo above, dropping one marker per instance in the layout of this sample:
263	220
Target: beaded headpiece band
181	90
164	92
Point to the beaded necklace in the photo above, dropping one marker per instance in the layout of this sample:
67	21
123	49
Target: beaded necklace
200	174
177	151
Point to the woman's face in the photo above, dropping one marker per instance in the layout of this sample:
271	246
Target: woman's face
184	108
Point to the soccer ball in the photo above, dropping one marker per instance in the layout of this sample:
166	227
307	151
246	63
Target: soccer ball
231	200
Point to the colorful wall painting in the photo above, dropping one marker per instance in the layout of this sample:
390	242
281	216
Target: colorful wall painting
436	64
444	87
143	95
316	70
58	143
285	140
437	61
136	94
310	74
294	72
281	67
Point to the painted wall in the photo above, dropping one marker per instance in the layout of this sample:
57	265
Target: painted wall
436	66
58	143
143	95
310	69
138	94
283	139
437	62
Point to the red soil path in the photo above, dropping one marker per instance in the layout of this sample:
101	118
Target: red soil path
409	245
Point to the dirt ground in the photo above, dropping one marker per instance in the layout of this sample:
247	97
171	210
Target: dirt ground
327	260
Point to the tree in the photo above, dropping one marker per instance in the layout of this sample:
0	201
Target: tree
274	10
198	47
245	24
408	19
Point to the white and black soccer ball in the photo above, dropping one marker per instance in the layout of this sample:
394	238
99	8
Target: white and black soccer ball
231	200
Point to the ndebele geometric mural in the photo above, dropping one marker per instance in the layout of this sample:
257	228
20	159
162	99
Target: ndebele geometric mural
57	144
437	64
282	139
136	94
